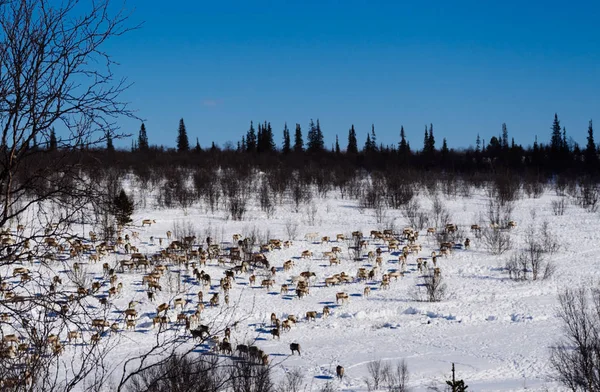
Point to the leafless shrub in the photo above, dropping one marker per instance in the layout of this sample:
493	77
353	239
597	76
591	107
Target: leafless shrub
589	196
396	378
449	186
416	218
499	214
575	357
376	374
399	192
439	213
372	194
496	241
235	188
311	213
559	206
292	382
328	387
506	188
300	194
550	242
291	228
380	212
532	258
431	288
534	187
265	199
206	183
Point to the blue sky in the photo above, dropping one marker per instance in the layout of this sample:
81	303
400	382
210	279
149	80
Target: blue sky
465	66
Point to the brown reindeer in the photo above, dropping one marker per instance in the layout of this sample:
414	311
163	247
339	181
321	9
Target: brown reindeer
295	347
339	371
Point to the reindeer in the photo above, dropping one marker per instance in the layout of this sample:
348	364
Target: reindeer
339	371
341	296
295	347
148	222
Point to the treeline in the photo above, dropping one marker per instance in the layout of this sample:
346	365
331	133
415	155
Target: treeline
258	148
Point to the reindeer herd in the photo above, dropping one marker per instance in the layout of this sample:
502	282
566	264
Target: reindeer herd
380	258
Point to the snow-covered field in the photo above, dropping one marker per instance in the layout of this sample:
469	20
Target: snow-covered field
497	331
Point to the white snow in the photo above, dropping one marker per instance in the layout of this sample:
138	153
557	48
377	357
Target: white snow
497	331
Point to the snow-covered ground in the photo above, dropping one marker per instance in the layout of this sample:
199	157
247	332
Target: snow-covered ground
497	331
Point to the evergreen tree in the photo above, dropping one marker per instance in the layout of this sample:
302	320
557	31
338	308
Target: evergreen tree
504	137
286	140
315	142
298	142
197	148
122	208
260	142
269	142
143	139
431	144
426	141
478	144
444	150
251	139
373	139
456	385
556	139
213	147
337	145
368	146
109	142
591	156
183	143
53	145
352	142
403	145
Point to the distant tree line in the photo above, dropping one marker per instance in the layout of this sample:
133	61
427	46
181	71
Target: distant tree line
258	146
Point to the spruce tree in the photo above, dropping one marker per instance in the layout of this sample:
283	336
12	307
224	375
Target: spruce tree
315	142
251	139
197	148
122	208
143	139
337	145
556	139
286	140
444	150
373	139
591	156
298	142
260	139
368	147
352	142
269	138
183	143
403	145
456	385
431	141
504	137
426	141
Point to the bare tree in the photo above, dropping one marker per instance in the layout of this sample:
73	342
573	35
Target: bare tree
376	371
431	288
496	241
576	357
55	79
396	377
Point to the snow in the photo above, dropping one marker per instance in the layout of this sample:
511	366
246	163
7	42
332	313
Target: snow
497	331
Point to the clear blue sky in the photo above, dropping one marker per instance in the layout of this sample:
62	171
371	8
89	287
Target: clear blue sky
465	66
